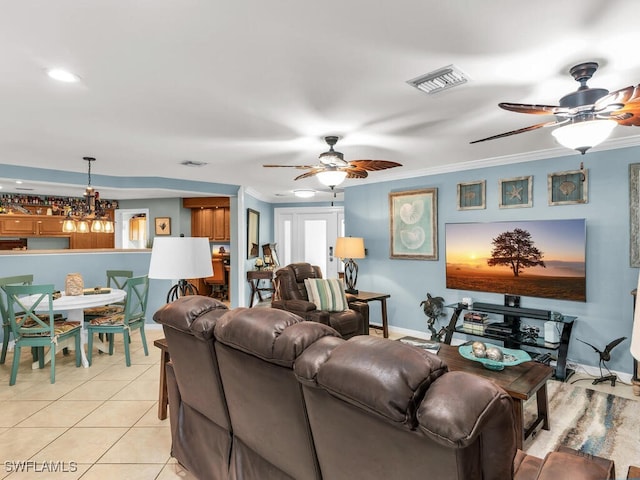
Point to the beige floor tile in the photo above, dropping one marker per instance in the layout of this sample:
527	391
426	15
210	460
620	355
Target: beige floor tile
140	445
14	391
150	418
123	470
22	443
173	471
113	413
53	469
63	413
122	372
48	391
138	390
14	411
96	390
82	445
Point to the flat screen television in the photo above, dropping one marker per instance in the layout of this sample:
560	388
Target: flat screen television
534	258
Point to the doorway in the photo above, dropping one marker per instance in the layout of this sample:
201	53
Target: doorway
308	234
132	228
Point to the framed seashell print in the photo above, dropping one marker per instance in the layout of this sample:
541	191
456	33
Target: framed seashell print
471	195
413	229
568	188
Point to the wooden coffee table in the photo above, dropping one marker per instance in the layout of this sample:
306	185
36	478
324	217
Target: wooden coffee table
521	382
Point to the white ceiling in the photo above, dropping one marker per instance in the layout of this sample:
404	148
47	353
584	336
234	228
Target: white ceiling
244	83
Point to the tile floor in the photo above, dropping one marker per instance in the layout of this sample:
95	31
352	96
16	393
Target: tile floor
102	418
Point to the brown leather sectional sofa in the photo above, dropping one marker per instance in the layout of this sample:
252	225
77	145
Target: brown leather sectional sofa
260	394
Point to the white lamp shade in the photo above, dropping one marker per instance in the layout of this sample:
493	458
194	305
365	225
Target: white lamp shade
349	247
635	336
180	258
331	177
585	134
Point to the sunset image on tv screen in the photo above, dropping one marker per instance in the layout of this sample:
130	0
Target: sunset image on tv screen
540	258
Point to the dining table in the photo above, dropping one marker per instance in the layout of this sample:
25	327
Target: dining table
72	306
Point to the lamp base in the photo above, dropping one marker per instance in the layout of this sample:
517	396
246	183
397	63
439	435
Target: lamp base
181	289
352	291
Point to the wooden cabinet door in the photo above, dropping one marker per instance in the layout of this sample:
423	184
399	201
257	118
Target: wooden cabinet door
103	240
227	224
18	226
202	223
48	227
219	233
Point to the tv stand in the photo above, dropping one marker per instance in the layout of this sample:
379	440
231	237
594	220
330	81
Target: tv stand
512	337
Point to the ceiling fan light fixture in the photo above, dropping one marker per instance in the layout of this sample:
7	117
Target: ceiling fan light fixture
584	135
331	177
304	193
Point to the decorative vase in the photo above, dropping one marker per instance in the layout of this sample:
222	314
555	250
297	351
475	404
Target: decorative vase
73	285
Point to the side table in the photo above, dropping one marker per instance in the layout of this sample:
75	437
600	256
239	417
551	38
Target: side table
163	397
382	298
254	277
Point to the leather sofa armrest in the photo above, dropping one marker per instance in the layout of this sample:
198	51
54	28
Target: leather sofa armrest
295	305
363	309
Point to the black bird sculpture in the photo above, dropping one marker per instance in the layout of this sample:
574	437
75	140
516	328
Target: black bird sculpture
605	356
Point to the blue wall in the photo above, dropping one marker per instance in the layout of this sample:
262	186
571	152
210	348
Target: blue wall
608	312
265	235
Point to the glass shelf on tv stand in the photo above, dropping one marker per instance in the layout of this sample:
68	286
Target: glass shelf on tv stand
515	338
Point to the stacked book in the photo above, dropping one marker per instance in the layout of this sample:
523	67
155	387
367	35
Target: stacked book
475	322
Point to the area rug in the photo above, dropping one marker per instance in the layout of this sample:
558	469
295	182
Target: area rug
591	422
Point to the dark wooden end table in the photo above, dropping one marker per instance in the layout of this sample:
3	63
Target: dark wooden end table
254	277
521	382
382	298
163	397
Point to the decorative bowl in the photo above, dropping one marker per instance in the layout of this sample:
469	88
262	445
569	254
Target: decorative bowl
511	357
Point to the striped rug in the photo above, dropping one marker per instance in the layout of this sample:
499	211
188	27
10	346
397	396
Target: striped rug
592	422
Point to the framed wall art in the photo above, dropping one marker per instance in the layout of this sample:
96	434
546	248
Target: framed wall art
163	225
568	188
471	195
634	214
413	229
516	192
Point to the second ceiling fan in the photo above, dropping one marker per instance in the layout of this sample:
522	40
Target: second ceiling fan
333	168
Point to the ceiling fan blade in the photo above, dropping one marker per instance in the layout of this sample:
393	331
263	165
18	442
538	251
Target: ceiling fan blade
619	96
534	109
291	166
374	165
310	173
521	130
355	172
629	114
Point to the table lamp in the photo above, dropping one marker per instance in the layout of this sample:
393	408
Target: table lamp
349	248
180	258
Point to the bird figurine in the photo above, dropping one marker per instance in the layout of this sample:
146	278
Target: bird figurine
433	308
605	356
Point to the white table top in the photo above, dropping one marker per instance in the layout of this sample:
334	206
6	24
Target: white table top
76	302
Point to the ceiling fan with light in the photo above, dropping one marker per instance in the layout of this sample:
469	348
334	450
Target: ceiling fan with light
587	116
333	168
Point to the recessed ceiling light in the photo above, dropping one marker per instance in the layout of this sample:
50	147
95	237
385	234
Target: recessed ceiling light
63	75
303	193
19	182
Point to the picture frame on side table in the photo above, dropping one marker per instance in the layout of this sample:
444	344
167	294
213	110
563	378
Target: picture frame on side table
163	225
413	224
471	195
568	188
516	192
634	214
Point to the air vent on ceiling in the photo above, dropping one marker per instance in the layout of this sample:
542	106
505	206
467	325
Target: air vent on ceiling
24	189
191	163
439	80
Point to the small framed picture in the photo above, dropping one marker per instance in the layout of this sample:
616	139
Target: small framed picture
516	192
163	226
568	188
471	195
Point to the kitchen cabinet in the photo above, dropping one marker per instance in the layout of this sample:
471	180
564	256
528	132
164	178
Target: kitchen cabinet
18	225
138	229
213	223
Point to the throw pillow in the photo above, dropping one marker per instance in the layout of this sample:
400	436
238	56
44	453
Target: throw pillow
327	294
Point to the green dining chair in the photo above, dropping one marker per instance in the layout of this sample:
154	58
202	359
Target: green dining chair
6	323
132	318
115	279
31	329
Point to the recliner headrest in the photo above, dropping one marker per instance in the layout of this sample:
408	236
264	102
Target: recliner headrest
193	314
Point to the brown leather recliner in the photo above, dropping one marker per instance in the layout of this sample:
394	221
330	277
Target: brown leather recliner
291	295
